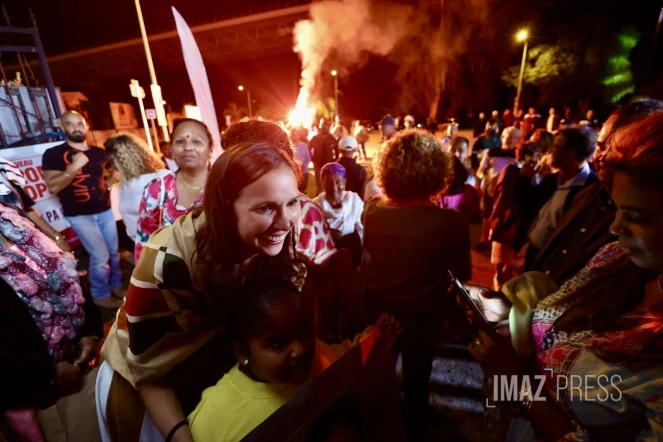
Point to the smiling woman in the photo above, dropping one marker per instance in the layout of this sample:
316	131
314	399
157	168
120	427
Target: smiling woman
167	340
250	210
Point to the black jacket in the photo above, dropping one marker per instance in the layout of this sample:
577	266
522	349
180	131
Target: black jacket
531	198
357	176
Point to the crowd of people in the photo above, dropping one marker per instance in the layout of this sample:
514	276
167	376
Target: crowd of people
245	287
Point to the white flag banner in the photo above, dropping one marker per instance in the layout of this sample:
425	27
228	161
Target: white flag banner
199	82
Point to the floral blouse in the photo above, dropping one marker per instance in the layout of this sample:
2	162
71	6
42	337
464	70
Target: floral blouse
607	400
159	208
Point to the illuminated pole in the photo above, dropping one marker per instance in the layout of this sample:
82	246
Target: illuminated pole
335	75
139	92
248	98
156	90
521	36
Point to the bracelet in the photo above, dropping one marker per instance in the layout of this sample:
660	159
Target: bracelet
64	172
58	238
175	428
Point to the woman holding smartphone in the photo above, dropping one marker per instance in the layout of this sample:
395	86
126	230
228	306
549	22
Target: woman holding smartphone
604	327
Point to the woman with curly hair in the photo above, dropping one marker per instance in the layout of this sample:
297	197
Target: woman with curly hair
409	243
138	165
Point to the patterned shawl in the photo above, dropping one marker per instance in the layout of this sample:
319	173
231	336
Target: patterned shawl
45	279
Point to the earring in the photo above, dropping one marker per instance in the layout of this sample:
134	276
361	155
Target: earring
246	362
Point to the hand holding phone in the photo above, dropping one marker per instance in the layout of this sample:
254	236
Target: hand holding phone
479	318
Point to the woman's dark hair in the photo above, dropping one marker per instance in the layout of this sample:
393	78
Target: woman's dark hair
251	305
636	150
255	131
180	121
217	259
460	175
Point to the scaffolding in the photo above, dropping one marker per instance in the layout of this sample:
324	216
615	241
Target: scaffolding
28	113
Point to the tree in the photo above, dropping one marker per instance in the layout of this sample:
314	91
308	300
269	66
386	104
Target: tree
561	73
619	77
544	63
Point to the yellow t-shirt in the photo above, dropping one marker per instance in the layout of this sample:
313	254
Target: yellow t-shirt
237	404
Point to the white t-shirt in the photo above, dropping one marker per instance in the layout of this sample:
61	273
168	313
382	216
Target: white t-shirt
130	195
347	218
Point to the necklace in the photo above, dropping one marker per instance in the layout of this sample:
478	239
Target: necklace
194	189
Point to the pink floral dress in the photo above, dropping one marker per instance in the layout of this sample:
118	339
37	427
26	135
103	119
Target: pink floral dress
159	208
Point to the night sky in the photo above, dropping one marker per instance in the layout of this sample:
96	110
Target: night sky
368	92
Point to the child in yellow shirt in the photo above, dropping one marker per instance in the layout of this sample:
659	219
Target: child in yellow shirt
277	353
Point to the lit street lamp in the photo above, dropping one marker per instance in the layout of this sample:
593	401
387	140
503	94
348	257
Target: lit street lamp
155	88
521	36
335	75
248	98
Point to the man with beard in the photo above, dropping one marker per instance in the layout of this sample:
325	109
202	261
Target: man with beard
74	172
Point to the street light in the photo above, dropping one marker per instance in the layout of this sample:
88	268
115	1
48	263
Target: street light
155	88
248	97
521	36
334	74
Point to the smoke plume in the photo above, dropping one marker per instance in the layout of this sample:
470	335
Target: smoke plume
420	37
348	29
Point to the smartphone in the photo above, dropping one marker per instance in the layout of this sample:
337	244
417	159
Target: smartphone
483	323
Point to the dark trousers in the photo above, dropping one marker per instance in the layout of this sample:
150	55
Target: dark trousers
417	344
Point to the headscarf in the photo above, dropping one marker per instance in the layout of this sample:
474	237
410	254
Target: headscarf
333	169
